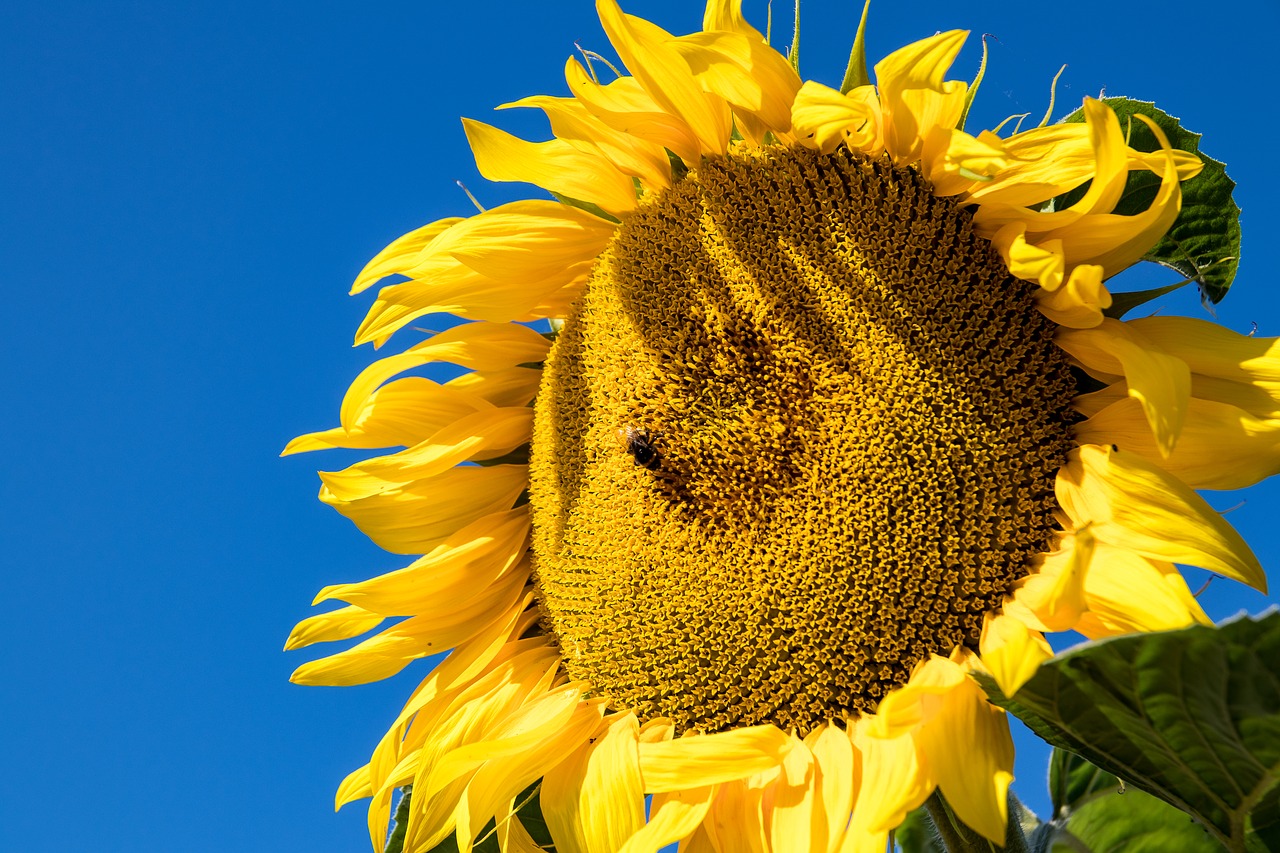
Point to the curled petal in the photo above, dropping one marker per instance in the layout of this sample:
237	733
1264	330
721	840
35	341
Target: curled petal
824	118
975	780
1220	447
1011	651
1160	381
1080	303
1055	593
1132	504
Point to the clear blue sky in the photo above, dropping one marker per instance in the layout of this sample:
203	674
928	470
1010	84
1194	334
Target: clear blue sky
186	192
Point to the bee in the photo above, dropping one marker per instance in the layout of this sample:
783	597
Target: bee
639	443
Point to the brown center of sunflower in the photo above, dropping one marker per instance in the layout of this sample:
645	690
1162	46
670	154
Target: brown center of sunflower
800	432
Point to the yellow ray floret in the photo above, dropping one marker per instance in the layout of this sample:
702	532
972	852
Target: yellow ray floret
1134	505
593	801
471	268
573	122
651	57
555	166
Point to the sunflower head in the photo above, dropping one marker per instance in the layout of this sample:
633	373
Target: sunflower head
815	349
796	407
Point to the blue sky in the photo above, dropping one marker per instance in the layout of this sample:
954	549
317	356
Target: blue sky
186	192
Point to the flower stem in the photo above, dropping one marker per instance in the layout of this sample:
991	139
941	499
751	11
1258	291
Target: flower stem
958	838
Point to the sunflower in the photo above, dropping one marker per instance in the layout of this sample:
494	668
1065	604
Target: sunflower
831	415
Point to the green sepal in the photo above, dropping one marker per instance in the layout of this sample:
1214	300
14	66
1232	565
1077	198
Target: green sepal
793	55
395	841
519	456
528	810
855	73
679	168
1123	303
589	206
1204	242
968	102
1191	716
917	835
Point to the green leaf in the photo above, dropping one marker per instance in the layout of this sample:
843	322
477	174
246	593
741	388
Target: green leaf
1095	811
395	841
1073	781
1204	242
1191	716
1132	822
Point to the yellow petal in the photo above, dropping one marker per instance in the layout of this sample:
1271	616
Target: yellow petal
698	842
1221	447
496	266
1048	161
406	411
1132	504
736	819
914	95
1160	381
416	517
574	123
529	239
1110	172
1078	305
513	837
1055	593
1213	350
726	15
905	708
699	760
627	108
859	839
1127	593
838	770
526	754
354	787
506	723
556	166
1115	241
794	819
341	624
482	435
478	346
1042	263
402	254
753	77
952	158
975	780
400	413
594	800
674	815
828	118
895	780
456	718
1011	651
657	65
388	652
465	563
1045	162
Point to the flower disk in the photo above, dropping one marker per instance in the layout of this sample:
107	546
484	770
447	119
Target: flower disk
849	416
